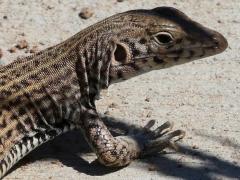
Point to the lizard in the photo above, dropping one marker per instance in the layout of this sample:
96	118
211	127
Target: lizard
54	91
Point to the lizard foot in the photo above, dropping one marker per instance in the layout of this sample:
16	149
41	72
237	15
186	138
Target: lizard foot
141	142
156	140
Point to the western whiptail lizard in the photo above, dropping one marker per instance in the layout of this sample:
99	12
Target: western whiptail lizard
53	91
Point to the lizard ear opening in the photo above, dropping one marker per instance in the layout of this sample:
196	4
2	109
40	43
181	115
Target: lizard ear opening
121	53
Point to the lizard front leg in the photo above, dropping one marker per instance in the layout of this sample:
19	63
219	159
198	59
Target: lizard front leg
121	150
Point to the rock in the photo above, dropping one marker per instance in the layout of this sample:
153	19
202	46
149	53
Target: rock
86	13
22	44
12	50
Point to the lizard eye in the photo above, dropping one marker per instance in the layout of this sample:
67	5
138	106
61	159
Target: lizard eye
163	38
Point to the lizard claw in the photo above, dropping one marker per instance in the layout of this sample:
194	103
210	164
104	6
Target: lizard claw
149	124
163	129
142	130
162	137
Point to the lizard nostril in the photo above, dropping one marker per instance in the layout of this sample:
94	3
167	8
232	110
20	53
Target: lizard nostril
220	42
216	41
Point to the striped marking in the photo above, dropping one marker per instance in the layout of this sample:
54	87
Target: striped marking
26	145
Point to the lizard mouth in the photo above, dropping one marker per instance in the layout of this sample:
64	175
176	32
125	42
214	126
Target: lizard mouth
193	52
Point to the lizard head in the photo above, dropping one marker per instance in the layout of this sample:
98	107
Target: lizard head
160	38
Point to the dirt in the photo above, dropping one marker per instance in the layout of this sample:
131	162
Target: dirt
201	97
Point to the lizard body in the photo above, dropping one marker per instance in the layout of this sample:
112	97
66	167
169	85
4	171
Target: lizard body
53	91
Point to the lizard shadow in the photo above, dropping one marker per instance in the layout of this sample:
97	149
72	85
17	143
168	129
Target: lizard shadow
66	149
224	141
69	147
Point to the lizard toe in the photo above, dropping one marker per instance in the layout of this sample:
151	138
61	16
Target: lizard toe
163	129
168	140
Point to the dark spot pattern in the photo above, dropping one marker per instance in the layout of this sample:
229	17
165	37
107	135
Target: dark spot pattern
143	41
176	59
21	111
158	60
136	52
134	66
3	123
9	133
178	41
192	53
120	74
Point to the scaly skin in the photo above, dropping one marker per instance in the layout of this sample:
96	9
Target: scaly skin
53	91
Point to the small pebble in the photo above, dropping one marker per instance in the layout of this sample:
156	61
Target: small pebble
34	49
113	105
22	34
22	44
41	43
54	162
12	50
195	147
107	112
149	114
86	13
49	7
120	0
147	99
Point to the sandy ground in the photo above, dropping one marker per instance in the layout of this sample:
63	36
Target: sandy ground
201	98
